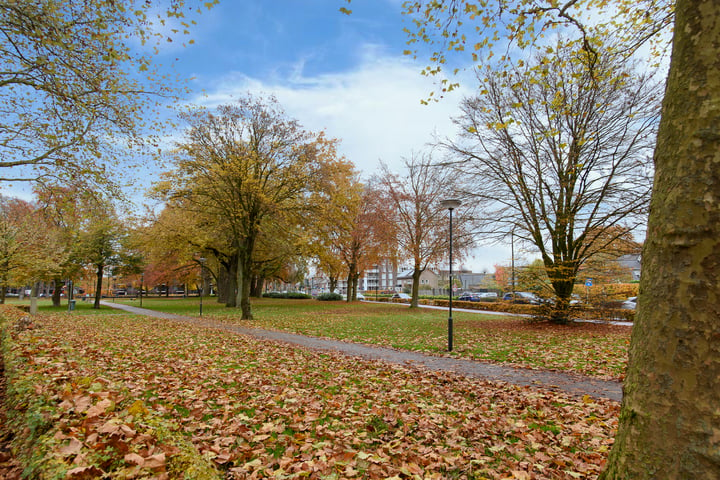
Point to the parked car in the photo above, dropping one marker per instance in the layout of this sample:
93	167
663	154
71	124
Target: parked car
523	297
488	296
359	296
630	303
469	297
402	296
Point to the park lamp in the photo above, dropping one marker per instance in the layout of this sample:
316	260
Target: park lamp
202	261
450	204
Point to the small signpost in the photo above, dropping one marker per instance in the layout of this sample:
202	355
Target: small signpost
588	284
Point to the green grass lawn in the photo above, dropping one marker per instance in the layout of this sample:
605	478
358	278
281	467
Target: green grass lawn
596	350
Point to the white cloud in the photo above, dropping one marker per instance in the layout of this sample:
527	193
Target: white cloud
374	109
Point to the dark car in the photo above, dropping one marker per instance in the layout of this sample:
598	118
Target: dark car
402	296
469	297
523	297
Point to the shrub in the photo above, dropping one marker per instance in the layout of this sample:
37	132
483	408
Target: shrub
330	296
273	295
286	295
298	295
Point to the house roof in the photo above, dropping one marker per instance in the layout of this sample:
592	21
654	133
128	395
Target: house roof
407	274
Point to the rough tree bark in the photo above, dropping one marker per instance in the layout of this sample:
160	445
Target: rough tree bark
670	422
415	297
98	285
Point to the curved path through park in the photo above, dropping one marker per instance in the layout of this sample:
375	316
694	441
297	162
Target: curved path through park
556	381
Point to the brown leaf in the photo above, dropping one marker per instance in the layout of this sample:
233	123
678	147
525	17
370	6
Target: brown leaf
99	408
82	473
72	448
109	427
82	403
135	459
127	431
155	461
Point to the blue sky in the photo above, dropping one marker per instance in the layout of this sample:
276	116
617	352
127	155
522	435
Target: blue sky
345	74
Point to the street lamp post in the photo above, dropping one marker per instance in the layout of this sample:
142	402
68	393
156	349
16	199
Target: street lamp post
512	262
142	281
450	204
202	280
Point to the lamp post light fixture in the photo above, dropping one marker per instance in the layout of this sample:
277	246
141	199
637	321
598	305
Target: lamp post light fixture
202	280
450	204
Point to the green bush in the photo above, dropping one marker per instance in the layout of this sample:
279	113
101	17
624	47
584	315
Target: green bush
298	295
286	295
329	297
274	295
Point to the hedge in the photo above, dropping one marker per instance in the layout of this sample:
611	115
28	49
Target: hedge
583	313
287	295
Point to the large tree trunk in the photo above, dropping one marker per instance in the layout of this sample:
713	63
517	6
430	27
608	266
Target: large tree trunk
258	283
229	282
57	290
414	302
562	278
351	275
669	423
244	282
356	282
98	286
223	281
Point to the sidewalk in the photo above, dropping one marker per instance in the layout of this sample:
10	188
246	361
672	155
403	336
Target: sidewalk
555	381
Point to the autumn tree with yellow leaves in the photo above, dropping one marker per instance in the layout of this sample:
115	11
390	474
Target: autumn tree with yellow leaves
245	168
75	86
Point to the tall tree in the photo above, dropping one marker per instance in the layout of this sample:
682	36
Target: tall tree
74	83
420	225
100	244
668	422
559	152
171	244
64	210
242	166
337	203
30	248
365	237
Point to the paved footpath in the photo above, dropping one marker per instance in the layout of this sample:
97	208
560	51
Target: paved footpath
577	385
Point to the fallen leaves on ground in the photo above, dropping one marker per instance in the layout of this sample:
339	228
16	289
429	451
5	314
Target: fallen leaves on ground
260	409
